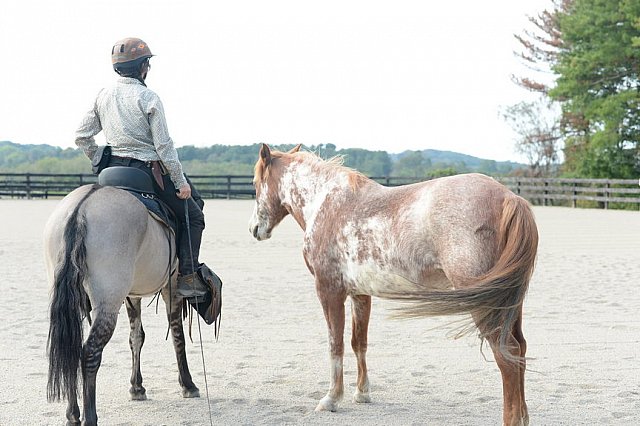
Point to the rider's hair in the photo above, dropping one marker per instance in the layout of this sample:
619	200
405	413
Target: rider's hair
131	69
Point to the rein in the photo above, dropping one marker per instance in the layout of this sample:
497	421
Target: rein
204	367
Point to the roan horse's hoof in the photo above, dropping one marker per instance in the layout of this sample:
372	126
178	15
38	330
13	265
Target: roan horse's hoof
194	392
360	397
327	404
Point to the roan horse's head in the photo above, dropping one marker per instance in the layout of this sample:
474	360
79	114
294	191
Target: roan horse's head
269	210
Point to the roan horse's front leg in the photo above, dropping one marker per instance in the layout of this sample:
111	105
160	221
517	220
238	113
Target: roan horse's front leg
174	314
360	313
136	340
333	306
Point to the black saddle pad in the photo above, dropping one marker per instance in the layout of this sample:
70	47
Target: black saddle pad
157	207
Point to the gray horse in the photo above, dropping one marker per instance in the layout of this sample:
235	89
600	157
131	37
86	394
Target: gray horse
102	247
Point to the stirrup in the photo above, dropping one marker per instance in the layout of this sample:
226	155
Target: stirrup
191	287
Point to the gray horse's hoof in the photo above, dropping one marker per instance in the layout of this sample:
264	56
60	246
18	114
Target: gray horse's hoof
193	392
138	394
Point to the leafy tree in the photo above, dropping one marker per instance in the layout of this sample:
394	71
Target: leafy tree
599	82
371	163
239	160
536	123
538	133
541	45
592	48
489	167
325	151
447	171
199	167
412	164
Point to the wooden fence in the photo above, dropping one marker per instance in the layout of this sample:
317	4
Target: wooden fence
601	193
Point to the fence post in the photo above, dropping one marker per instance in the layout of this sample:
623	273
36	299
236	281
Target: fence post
546	191
228	187
575	196
606	195
28	188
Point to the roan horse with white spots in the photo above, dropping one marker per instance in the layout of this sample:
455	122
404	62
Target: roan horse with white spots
455	245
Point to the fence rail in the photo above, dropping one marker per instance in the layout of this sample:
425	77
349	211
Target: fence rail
602	193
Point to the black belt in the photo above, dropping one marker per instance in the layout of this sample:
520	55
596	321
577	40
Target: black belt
132	160
156	168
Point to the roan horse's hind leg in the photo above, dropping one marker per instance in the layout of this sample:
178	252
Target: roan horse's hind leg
515	412
136	340
333	306
360	313
101	331
174	314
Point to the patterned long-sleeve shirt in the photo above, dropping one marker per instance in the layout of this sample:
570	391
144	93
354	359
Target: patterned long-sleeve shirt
133	121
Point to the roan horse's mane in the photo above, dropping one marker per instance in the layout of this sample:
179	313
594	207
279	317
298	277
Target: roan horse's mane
328	167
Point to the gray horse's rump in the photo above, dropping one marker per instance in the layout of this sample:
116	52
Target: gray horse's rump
139	184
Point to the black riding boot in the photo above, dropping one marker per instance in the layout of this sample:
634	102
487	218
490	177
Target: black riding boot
189	282
191	286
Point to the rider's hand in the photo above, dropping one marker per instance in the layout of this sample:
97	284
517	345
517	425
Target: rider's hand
184	192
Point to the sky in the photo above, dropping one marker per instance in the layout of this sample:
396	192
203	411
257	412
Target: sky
380	75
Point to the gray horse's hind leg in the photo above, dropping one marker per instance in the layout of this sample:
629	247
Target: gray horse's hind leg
73	412
136	340
174	314
101	331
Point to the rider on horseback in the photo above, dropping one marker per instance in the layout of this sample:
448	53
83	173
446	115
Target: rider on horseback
132	118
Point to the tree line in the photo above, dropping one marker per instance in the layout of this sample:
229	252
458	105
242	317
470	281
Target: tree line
240	159
584	57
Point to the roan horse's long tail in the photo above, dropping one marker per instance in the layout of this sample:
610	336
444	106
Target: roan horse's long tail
494	299
68	308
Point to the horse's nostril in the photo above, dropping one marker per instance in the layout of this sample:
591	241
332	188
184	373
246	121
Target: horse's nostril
255	232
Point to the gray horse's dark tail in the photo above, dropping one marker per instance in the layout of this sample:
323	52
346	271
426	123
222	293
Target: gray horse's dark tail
69	306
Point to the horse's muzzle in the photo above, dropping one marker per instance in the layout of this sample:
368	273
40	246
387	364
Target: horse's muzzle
254	230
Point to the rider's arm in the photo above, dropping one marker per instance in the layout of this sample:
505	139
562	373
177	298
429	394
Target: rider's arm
163	142
88	128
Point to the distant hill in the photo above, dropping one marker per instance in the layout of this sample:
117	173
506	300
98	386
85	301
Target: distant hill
239	160
468	162
471	161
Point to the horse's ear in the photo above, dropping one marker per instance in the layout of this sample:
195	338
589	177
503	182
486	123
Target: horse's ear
295	149
265	154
